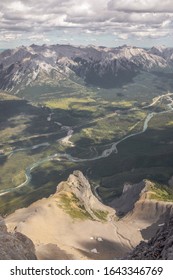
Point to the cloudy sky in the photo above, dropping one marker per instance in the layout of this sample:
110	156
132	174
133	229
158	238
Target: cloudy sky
100	22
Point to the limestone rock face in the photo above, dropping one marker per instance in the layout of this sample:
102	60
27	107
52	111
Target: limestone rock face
70	224
15	246
160	247
74	224
135	202
80	187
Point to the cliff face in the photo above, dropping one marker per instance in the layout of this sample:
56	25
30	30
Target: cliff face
136	203
15	246
71	224
74	224
160	247
81	189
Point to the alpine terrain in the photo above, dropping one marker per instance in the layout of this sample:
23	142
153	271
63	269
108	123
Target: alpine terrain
86	152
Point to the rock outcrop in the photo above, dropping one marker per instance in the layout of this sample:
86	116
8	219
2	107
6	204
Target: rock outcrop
137	204
15	246
74	224
130	195
71	224
80	187
160	247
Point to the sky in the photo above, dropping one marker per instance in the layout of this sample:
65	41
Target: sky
111	23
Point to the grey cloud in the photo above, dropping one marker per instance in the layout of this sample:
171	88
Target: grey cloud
147	18
142	6
12	17
128	17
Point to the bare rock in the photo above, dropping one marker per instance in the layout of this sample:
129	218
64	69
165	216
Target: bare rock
160	247
15	246
80	187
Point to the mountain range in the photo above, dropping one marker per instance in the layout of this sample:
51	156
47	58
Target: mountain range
106	112
96	66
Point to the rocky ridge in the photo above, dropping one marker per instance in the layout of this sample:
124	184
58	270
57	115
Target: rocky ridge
71	224
99	66
74	224
80	187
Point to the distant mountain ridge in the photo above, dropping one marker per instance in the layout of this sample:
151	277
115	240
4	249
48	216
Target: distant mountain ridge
98	66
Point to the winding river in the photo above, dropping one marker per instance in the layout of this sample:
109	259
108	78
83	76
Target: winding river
106	153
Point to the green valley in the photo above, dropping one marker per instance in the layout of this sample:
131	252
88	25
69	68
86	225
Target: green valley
104	133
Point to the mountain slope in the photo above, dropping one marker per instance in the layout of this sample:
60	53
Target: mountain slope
74	224
99	66
160	247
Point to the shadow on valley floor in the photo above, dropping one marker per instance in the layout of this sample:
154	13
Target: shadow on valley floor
104	250
13	108
3	160
52	252
146	156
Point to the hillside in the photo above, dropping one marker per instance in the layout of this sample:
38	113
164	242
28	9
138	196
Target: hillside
71	224
74	224
104	111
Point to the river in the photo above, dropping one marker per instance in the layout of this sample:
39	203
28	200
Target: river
106	153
